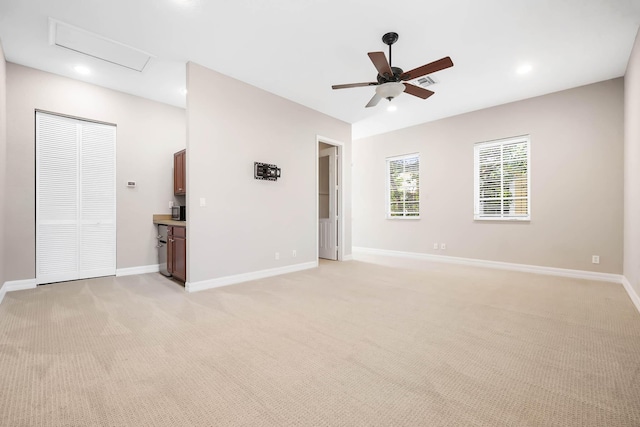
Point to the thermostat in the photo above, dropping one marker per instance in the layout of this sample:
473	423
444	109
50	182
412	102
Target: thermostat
131	184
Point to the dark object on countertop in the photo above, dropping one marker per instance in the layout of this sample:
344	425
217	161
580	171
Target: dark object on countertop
179	213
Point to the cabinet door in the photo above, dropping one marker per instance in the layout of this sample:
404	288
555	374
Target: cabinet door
179	242
179	173
170	250
180	258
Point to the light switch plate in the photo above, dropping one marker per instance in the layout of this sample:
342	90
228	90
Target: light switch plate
203	201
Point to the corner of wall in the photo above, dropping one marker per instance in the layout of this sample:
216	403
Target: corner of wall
257	226
3	155
635	297
631	266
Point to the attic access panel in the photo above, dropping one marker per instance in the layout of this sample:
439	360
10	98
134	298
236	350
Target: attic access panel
96	46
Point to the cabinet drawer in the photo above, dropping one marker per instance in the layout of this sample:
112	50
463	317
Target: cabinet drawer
179	232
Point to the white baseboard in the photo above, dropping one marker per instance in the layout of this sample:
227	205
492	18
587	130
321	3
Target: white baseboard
19	285
16	285
635	298
245	277
142	269
347	257
553	271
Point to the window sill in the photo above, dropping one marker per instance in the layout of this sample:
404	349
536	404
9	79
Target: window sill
503	219
403	217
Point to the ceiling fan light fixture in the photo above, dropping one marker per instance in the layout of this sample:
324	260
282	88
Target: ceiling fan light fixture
390	90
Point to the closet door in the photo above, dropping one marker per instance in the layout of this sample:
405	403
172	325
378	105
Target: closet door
75	199
57	189
97	207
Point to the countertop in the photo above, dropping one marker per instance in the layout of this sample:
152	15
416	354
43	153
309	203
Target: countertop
165	219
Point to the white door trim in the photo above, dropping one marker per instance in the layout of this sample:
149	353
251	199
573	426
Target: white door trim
340	147
329	226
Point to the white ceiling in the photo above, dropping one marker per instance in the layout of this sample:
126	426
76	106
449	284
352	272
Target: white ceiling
298	48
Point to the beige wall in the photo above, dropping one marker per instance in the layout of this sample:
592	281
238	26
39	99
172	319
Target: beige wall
148	133
576	183
231	125
3	157
632	169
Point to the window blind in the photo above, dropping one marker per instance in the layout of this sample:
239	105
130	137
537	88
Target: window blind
403	186
502	179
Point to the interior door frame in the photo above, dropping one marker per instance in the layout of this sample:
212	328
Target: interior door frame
340	199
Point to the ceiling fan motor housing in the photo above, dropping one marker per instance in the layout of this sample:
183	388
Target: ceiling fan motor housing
397	71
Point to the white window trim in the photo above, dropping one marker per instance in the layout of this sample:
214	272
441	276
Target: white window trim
476	196
388	189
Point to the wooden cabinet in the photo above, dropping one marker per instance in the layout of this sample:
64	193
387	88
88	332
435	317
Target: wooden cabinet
180	173
177	252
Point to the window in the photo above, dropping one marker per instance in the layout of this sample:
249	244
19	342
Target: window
501	170
403	186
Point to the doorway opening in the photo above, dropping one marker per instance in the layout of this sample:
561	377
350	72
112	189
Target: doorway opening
330	202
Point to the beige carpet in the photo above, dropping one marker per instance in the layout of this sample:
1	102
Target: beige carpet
347	344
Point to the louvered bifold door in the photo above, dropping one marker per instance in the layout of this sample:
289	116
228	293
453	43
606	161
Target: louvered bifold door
56	199
75	199
97	256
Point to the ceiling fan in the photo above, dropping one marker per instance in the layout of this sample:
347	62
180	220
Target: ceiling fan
390	80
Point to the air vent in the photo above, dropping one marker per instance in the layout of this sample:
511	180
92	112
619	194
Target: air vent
97	46
426	81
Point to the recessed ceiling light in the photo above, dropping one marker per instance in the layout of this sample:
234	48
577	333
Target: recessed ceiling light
524	69
392	107
81	69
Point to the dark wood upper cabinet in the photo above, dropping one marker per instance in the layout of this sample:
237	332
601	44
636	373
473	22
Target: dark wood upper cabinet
180	173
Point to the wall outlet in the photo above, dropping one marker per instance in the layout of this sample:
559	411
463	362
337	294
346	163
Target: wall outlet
595	259
443	246
435	246
277	255
294	253
170	204
203	201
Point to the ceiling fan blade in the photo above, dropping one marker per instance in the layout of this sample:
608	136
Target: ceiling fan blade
380	62
432	67
354	85
417	91
374	101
